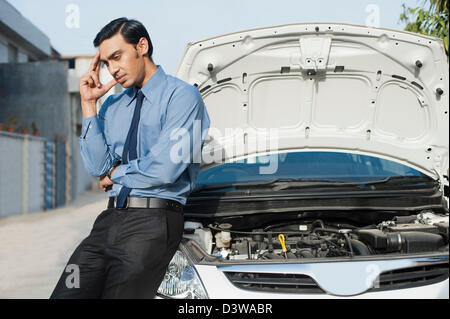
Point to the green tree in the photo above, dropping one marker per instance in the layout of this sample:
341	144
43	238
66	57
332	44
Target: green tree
431	18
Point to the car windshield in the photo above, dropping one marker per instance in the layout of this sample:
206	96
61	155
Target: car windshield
329	166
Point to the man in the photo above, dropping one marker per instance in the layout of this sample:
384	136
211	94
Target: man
134	145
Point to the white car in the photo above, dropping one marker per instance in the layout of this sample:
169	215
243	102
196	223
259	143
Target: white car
324	172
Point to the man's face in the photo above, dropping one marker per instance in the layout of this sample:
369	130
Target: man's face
123	60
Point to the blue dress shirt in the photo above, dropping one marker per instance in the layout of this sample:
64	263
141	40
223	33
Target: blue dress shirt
172	128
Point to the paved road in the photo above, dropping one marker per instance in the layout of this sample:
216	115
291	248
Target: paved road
35	248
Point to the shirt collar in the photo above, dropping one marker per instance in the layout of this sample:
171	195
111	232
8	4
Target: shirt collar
150	87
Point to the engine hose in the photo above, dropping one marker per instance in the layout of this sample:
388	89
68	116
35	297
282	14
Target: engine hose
327	230
291	255
360	247
349	244
318	221
305	253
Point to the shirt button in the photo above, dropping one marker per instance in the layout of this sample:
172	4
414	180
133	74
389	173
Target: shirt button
121	182
90	126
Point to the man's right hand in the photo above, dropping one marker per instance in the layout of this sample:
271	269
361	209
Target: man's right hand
91	89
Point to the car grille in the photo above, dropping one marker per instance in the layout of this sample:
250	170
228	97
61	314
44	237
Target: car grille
271	282
412	277
303	284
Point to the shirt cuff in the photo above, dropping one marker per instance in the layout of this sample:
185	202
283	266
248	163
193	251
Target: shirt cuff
119	174
90	127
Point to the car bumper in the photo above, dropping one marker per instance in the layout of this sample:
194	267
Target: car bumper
218	286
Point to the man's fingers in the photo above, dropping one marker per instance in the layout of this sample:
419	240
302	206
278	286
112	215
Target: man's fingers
94	77
91	82
97	69
83	81
109	85
99	64
91	79
95	62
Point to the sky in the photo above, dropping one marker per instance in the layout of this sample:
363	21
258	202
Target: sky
71	25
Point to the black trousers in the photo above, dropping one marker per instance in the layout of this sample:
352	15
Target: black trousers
125	255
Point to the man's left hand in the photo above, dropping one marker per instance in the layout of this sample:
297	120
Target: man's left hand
105	181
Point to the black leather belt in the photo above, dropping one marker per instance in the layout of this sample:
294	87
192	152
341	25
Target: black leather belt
147	202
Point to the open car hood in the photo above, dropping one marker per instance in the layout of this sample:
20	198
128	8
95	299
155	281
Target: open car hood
333	87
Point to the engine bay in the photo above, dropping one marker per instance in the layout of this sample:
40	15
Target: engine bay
320	237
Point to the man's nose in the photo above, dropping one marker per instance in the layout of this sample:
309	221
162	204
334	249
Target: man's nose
114	70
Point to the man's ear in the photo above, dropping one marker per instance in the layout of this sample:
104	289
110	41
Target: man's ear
142	46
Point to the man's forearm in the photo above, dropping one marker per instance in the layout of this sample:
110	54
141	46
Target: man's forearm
93	148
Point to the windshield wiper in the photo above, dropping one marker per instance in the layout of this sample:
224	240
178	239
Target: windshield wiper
391	180
247	184
286	183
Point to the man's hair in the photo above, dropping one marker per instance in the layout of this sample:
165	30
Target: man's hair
131	30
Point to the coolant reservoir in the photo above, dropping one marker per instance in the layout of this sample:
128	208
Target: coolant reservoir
202	236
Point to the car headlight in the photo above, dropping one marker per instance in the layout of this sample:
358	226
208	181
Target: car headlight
181	280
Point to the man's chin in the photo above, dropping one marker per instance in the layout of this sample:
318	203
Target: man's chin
125	85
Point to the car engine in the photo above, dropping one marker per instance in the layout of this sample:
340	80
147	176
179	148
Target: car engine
424	232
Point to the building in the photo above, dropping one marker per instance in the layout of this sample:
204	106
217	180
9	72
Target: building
20	40
39	91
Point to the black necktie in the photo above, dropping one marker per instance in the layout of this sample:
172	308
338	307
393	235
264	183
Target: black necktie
130	148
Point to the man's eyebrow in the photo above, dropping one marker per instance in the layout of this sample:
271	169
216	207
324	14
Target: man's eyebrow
112	54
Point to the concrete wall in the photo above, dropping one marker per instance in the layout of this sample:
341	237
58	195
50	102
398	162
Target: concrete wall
10	176
22	177
36	92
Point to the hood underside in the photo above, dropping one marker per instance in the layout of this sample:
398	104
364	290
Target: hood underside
335	87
